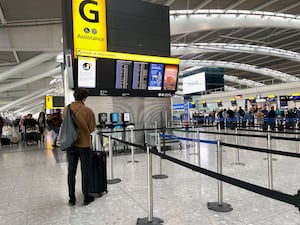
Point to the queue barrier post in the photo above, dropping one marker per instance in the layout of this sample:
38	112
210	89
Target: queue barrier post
237	162
112	180
198	146
270	166
132	148
219	206
149	219
195	145
269	143
298	148
160	175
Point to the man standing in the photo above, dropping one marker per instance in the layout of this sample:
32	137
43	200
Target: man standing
82	149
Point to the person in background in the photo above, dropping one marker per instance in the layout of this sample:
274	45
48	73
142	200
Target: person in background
54	122
260	117
1	125
82	149
42	124
272	118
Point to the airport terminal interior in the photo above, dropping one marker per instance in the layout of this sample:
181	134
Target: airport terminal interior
196	102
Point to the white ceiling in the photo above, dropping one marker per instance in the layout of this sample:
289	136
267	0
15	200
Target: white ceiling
30	38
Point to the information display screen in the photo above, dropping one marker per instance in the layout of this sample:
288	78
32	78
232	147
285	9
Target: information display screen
155	76
194	83
86	72
219	104
140	75
233	102
131	78
170	77
123	73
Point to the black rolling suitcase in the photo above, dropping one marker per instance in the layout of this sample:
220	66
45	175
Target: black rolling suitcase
5	141
280	127
98	181
265	127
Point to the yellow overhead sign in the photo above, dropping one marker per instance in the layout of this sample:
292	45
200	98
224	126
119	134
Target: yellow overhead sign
89	25
49	101
127	56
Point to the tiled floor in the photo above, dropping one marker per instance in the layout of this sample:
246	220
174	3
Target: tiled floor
33	188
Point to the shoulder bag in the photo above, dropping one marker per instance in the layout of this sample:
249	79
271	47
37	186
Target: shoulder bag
69	130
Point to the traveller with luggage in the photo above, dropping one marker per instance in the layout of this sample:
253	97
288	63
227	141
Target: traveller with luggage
54	122
82	148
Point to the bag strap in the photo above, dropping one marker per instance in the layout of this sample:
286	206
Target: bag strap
69	106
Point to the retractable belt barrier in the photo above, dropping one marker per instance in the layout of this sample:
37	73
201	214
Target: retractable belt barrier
280	196
126	142
222	133
276	152
290	199
187	139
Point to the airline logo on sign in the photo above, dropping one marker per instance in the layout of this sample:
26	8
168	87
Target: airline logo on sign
89	25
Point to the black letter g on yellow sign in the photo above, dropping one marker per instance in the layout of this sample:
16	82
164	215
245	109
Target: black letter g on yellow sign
95	14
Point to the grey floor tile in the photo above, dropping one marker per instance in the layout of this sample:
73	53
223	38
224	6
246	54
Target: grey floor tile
34	188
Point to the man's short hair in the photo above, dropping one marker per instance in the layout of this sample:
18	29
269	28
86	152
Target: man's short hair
80	94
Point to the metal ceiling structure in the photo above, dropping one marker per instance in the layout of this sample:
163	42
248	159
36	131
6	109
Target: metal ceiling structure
258	38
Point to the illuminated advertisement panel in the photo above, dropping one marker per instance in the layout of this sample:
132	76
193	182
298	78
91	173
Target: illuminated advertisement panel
170	77
155	76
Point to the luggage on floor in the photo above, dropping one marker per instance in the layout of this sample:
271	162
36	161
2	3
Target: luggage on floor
34	137
14	140
5	141
280	127
265	127
222	125
232	125
98	181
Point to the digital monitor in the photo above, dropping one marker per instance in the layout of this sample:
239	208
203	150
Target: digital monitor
296	98
140	75
252	101
219	104
126	117
155	76
194	83
170	77
272	99
86	72
123	72
58	101
114	117
102	117
233	102
204	105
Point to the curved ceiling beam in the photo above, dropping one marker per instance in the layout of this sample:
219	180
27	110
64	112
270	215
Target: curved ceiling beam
242	81
185	21
9	86
233	79
197	48
25	99
240	66
37	60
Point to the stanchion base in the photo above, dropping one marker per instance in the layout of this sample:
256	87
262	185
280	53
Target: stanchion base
155	221
114	181
238	164
160	176
224	207
133	161
273	159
